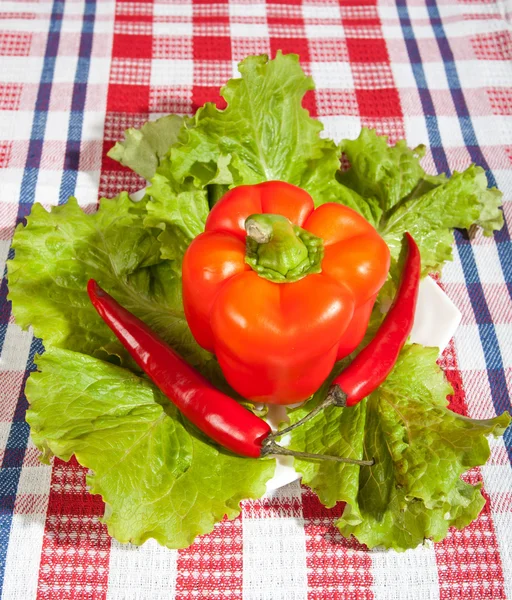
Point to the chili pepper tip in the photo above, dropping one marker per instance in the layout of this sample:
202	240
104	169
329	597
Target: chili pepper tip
94	289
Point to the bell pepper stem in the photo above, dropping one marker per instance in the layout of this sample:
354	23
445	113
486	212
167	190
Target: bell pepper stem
334	398
270	447
258	230
280	251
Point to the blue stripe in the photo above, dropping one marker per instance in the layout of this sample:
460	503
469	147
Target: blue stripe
487	331
76	118
12	463
29	181
427	103
502	237
459	101
35	147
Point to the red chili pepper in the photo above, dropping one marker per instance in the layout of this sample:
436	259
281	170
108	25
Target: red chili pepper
376	360
217	415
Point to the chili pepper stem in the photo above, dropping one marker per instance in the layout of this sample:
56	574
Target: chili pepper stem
335	398
270	447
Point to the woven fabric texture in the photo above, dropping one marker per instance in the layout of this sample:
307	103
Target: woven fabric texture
74	74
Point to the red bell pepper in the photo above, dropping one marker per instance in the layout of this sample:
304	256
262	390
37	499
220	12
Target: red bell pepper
279	291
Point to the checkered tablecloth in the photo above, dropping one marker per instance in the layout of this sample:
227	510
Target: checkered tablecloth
74	74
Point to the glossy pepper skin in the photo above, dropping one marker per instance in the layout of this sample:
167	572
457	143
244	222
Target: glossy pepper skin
276	342
220	417
375	362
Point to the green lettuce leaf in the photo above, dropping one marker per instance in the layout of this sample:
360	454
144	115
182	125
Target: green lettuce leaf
263	134
159	476
180	215
264	131
429	207
457	202
58	251
380	171
143	149
414	490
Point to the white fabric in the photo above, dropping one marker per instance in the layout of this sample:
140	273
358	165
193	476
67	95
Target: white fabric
411	575
146	572
275	554
26	539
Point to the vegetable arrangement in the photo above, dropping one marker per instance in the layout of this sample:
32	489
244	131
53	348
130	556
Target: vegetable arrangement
220	417
161	475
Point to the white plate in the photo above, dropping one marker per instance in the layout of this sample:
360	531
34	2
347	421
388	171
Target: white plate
435	322
138	195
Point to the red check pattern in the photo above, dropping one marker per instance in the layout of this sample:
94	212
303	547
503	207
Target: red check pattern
75	552
154	57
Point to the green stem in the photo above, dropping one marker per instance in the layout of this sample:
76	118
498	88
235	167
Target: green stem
338	399
280	251
270	447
